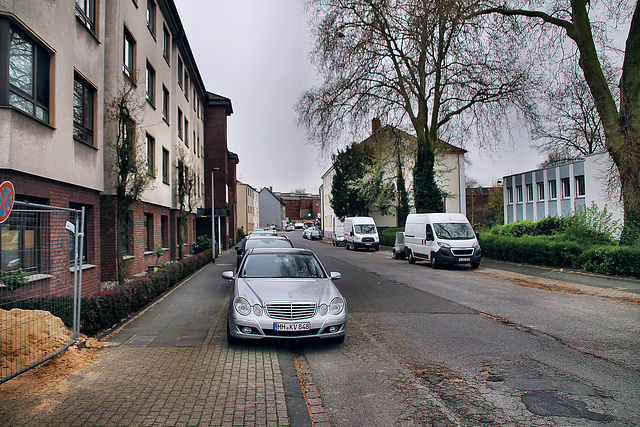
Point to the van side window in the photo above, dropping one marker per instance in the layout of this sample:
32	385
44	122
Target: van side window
429	232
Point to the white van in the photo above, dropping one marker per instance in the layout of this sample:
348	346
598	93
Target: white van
441	238
361	232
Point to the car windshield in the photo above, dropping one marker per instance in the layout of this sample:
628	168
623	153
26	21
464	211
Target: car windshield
365	229
339	234
454	231
281	265
268	243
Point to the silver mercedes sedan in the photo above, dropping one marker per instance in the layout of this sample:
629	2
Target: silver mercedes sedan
284	293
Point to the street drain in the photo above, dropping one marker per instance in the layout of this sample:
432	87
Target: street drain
549	404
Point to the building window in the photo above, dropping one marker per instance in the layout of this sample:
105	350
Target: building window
148	232
165	165
529	192
510	194
151	155
186	132
165	104
166	43
180	67
86	13
151	17
83	96
179	123
193	140
129	55
580	189
29	73
164	231
186	84
519	193
553	190
20	242
541	191
566	188
151	84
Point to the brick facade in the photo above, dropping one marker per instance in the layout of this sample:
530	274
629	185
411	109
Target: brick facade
53	236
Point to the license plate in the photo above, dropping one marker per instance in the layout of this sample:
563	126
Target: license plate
291	326
464	259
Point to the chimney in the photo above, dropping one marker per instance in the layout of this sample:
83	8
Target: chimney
375	125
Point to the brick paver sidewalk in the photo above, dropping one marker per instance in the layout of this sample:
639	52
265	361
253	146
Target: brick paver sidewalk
151	377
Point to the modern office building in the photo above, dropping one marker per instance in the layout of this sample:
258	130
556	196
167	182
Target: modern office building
560	190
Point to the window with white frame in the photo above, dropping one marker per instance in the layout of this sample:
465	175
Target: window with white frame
580	188
541	191
529	192
566	188
553	189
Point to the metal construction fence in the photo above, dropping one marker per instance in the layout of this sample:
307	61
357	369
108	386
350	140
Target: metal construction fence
41	251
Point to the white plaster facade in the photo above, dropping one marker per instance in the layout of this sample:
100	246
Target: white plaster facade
559	190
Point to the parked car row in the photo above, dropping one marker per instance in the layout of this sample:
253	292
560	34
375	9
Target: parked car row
312	233
439	238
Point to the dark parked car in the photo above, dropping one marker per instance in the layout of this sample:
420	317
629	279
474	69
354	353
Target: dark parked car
252	241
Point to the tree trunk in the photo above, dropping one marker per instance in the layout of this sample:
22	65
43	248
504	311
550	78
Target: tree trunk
427	195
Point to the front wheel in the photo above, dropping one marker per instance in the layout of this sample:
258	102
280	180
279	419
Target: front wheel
475	264
394	255
434	261
411	258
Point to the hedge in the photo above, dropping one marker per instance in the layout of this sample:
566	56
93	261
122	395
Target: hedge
388	237
556	252
612	260
102	311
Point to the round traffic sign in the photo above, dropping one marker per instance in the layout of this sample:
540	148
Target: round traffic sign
7	196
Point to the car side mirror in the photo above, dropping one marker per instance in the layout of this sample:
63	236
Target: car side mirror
477	236
335	275
227	275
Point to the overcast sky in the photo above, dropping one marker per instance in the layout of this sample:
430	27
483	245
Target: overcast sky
255	52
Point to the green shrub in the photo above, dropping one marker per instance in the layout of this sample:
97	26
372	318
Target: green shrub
388	237
203	242
612	260
241	233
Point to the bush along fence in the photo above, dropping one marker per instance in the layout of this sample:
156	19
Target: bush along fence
102	311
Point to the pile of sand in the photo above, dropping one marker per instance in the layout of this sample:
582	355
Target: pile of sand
27	336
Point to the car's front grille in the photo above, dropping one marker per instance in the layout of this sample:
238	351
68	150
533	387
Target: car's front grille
368	239
462	252
291	310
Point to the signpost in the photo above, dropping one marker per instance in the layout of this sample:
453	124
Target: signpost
7	197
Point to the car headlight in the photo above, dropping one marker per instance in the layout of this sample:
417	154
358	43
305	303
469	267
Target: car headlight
322	310
258	310
242	306
476	245
444	245
336	306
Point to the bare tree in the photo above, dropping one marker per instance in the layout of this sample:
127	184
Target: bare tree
620	114
187	195
570	126
413	62
132	176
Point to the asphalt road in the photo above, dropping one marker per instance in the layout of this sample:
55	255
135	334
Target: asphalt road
472	347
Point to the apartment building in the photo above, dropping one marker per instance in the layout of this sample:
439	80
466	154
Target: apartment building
65	64
560	190
247	207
